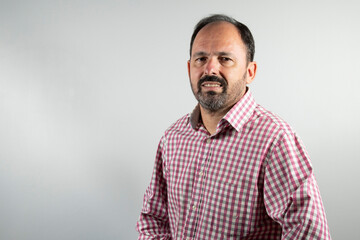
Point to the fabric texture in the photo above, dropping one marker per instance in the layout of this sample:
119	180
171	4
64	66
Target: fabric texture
252	179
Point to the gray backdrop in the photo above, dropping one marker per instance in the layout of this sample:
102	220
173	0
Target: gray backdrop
88	87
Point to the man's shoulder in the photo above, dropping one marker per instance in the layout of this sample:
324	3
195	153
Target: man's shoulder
180	125
272	120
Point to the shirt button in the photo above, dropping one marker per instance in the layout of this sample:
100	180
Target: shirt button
208	140
201	173
194	207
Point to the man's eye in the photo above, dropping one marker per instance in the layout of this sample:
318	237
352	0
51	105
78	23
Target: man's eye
225	59
200	59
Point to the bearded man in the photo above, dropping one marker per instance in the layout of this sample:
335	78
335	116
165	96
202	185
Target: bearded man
230	169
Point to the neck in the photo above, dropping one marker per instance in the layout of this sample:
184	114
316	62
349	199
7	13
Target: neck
211	119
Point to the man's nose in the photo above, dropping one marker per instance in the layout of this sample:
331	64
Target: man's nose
212	67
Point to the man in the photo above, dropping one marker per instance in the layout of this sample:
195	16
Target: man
230	169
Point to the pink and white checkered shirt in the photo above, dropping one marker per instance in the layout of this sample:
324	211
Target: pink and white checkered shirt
252	179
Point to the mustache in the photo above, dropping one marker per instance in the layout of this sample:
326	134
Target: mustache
212	78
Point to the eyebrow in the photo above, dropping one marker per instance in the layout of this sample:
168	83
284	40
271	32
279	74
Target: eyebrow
198	54
201	53
224	54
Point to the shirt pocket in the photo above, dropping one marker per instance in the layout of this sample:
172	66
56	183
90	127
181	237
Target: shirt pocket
229	210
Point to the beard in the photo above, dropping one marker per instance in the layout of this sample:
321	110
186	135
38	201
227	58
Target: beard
212	101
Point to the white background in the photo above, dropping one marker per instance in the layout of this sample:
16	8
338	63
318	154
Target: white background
88	87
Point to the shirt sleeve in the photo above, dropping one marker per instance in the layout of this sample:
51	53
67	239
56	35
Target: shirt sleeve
291	194
153	222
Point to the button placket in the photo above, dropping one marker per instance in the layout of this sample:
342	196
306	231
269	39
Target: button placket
194	208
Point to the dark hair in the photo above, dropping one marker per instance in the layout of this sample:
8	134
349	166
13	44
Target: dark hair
244	32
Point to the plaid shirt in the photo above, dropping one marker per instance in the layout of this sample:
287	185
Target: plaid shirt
252	179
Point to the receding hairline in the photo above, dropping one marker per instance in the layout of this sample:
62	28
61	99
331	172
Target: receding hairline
244	31
218	23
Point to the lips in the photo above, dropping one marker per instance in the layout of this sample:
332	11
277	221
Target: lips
211	84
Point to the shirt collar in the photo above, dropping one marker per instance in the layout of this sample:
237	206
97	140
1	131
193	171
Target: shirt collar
237	116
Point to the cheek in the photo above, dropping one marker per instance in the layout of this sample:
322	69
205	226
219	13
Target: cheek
236	84
193	82
195	73
194	85
194	77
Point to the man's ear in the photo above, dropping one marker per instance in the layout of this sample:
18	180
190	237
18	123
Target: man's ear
188	65
251	72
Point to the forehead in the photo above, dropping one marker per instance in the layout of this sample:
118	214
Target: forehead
219	36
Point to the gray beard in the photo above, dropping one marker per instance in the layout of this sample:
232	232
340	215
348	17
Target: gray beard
211	101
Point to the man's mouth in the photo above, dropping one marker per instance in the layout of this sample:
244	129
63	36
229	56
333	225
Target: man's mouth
211	84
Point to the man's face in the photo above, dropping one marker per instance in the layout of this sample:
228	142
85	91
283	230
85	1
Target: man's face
218	68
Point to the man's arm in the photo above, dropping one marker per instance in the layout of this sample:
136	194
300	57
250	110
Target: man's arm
154	222
291	194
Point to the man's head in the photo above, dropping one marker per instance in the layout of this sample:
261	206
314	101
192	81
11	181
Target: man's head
221	63
244	32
